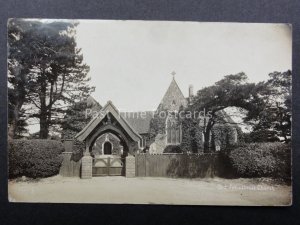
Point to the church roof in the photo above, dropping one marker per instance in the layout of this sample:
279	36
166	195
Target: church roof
139	121
92	103
173	98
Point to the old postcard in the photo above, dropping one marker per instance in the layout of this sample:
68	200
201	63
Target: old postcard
149	112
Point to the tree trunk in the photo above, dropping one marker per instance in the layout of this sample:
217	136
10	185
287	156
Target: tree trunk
43	113
206	141
43	127
207	136
14	123
12	130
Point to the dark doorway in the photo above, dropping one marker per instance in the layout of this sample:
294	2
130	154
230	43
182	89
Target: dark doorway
107	148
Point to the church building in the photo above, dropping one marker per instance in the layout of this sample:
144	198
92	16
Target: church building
123	133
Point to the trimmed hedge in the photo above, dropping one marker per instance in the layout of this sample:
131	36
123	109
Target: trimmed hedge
270	159
34	158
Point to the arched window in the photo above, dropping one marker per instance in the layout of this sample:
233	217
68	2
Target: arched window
173	131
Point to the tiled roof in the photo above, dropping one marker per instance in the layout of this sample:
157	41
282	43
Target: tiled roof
139	121
92	103
108	108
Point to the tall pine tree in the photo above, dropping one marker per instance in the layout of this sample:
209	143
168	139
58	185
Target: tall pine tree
46	71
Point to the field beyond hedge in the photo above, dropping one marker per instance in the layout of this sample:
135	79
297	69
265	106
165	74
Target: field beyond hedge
150	190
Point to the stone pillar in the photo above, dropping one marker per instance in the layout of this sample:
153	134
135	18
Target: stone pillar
130	166
65	169
86	164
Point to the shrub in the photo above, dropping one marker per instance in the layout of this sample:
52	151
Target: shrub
172	149
34	158
263	135
191	136
262	160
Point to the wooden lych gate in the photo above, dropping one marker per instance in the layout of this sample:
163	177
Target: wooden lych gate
108	166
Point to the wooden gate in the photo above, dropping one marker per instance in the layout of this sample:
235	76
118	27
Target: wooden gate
108	166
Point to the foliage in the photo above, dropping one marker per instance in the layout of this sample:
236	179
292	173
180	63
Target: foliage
224	136
271	111
232	90
34	158
221	134
157	126
192	132
76	117
262	160
268	105
191	136
172	149
46	71
261	135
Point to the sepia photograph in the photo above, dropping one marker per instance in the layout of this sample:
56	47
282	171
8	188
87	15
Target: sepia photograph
149	112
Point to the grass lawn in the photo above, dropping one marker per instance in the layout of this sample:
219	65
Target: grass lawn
150	190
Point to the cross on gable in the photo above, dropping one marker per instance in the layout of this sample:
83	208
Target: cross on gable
173	74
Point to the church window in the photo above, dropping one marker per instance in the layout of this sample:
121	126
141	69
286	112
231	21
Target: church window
173	131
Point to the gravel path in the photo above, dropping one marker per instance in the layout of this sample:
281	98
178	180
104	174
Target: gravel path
150	190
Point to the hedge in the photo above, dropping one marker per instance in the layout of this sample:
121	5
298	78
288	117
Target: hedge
270	159
34	158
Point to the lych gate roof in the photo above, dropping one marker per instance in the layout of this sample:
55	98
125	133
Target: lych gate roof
108	108
173	98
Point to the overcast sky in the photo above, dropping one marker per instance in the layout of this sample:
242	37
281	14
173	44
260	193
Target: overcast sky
131	61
